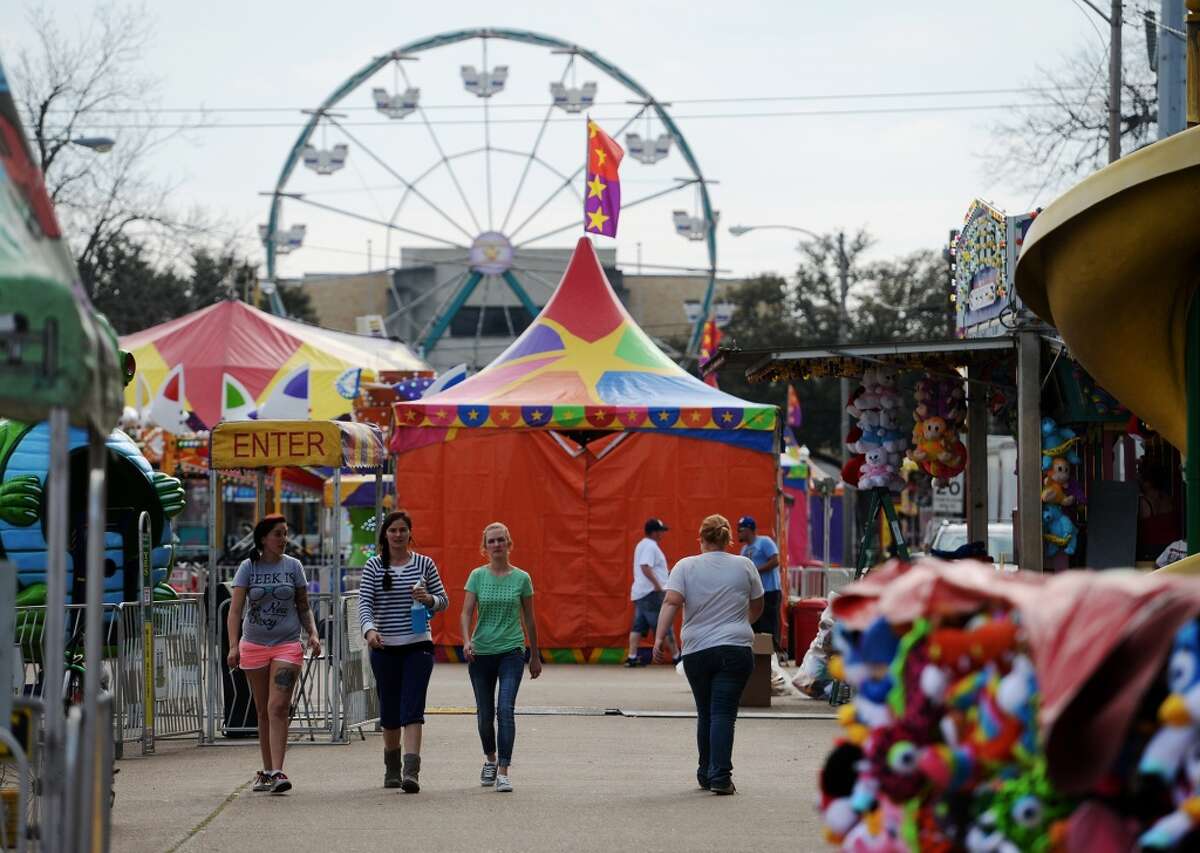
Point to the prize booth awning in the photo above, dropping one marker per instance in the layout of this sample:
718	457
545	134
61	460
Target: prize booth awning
231	361
573	437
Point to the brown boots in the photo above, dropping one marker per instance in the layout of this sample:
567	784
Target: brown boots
412	770
392	773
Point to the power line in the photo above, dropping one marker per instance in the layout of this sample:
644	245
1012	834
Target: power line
948	93
693	116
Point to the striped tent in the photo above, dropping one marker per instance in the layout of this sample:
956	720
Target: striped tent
232	362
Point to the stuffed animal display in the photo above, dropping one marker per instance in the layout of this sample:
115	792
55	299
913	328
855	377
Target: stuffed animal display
1061	492
940	418
939	749
1172	757
876	439
957	736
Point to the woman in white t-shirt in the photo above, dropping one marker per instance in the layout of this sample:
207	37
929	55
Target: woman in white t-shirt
721	595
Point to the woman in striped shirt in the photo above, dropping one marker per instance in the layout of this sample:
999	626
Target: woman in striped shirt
393	583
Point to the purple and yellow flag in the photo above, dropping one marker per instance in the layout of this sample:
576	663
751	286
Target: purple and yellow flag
602	201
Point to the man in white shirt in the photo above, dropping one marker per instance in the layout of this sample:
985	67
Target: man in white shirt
649	583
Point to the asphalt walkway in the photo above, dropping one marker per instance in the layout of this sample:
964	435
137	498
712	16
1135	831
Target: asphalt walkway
586	779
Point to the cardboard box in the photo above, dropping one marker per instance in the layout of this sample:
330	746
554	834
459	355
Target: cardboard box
758	689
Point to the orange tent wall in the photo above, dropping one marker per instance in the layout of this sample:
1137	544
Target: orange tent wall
574	521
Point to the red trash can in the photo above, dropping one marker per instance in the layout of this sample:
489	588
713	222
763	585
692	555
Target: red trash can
805	620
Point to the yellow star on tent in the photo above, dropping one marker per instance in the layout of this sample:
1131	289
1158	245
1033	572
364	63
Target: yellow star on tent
593	129
473	415
535	415
727	417
600	157
596	188
589	360
664	416
597	218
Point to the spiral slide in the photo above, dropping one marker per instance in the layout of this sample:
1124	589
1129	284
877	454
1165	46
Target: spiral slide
1113	264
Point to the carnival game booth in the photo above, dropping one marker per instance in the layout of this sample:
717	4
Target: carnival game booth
573	437
231	362
332	694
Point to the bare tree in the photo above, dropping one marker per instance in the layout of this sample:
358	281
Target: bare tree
91	84
1064	137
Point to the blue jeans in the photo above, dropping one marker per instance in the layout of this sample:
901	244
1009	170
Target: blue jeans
718	675
485	671
402	676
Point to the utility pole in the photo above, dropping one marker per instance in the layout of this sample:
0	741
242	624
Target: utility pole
1172	71
1114	83
848	514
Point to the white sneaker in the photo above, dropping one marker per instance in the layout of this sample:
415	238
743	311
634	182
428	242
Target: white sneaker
487	776
503	785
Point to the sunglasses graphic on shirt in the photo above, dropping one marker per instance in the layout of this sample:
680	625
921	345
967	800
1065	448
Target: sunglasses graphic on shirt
282	592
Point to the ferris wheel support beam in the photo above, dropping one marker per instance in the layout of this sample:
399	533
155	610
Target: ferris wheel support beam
449	168
442	323
539	279
402	180
437	164
351	214
515	287
536	144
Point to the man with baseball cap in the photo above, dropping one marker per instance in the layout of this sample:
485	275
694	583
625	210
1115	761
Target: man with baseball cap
764	553
649	583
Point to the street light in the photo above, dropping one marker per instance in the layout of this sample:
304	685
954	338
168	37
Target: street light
843	264
739	230
100	144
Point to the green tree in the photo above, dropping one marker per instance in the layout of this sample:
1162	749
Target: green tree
296	303
905	299
124	286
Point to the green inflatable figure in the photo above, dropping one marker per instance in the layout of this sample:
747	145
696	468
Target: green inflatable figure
133	487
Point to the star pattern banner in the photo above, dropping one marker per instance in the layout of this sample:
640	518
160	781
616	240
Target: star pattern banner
602	196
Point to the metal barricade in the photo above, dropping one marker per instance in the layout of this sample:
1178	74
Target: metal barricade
178	631
314	707
30	627
178	674
358	680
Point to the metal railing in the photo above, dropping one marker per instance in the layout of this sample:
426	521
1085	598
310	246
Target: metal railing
177	667
178	629
358	679
314	707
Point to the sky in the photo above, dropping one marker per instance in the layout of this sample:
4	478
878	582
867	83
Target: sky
904	175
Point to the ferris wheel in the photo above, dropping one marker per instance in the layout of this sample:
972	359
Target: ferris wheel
459	157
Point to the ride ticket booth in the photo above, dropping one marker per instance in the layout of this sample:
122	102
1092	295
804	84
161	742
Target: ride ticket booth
339	446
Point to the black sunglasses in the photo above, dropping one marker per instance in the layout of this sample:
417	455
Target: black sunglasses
387	582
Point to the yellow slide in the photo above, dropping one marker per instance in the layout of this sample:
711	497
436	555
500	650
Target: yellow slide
1113	264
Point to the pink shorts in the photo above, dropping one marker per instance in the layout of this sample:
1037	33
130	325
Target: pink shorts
254	656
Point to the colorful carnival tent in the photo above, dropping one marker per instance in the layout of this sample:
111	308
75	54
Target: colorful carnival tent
231	361
573	436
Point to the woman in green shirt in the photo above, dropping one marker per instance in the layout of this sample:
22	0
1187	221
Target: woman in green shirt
495	651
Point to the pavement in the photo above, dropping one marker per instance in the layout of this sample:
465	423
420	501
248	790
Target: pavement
604	761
